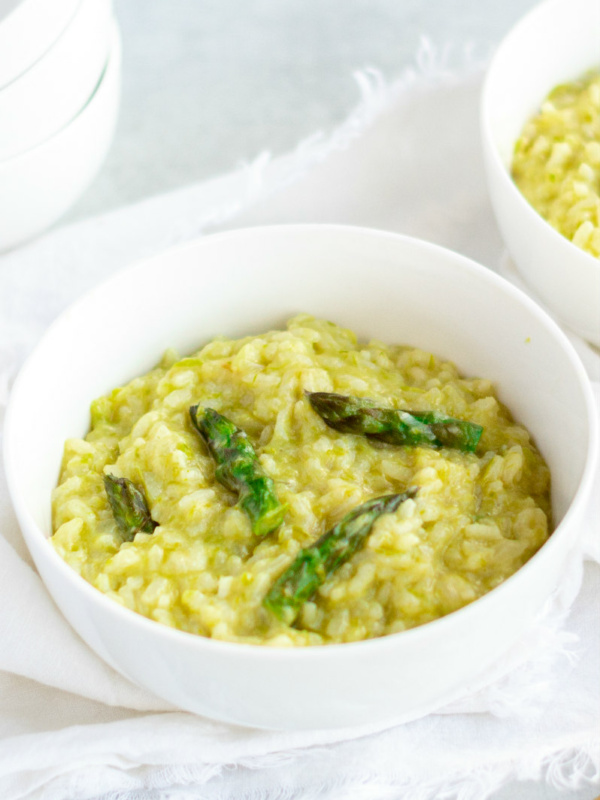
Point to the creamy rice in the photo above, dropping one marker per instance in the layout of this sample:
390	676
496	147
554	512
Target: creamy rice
476	519
557	161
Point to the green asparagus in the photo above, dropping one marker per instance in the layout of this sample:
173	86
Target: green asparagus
394	426
313	565
238	469
129	507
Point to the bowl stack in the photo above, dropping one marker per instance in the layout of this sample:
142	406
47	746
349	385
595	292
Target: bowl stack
59	90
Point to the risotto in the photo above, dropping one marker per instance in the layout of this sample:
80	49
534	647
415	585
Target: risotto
557	161
469	517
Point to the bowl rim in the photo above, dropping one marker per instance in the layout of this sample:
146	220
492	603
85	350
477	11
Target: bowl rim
487	134
166	634
23	18
111	63
35	109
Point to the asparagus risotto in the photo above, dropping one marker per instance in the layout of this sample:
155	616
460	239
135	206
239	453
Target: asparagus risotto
300	488
557	161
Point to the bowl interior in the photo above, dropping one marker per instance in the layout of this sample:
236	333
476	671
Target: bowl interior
556	42
381	285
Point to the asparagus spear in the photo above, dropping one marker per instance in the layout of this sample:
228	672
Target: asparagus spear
313	565
450	432
129	507
238	469
394	426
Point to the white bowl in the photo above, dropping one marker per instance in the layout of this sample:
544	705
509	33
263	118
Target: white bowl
54	90
39	186
381	285
27	29
556	42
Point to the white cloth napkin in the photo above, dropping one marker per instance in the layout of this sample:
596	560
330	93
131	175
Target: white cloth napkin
408	159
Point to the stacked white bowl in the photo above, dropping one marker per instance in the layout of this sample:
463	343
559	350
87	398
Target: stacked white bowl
60	66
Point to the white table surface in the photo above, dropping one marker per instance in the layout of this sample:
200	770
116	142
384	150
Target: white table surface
207	85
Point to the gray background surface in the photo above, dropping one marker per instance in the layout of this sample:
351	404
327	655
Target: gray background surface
208	85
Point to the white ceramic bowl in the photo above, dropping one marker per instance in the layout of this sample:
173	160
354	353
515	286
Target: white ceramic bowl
39	186
381	285
556	42
53	91
28	28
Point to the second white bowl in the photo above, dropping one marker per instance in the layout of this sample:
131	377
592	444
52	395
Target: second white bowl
556	42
